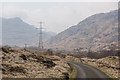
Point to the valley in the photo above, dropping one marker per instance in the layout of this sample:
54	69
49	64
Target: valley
87	50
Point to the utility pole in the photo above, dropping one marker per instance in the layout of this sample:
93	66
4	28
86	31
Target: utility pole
40	46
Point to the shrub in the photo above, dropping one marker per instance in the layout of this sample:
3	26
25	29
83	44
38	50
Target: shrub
6	50
23	57
17	69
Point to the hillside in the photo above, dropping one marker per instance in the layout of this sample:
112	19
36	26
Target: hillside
96	32
21	63
16	32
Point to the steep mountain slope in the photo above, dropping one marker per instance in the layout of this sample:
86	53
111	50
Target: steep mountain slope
95	32
16	32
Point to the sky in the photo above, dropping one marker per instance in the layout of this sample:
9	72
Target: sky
56	16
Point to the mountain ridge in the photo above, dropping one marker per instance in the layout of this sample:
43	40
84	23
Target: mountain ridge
17	32
86	32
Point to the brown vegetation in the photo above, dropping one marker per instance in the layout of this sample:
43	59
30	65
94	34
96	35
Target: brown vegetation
20	63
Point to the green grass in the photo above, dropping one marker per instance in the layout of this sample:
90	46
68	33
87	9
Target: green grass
73	72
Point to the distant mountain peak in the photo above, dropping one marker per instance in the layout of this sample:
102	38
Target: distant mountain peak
16	19
17	32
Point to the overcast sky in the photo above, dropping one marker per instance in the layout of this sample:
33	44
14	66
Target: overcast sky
57	16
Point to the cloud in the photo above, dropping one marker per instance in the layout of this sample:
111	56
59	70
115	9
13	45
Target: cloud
56	16
12	11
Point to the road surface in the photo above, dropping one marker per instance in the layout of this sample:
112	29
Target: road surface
86	71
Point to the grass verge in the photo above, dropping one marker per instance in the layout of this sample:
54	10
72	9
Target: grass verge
73	72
